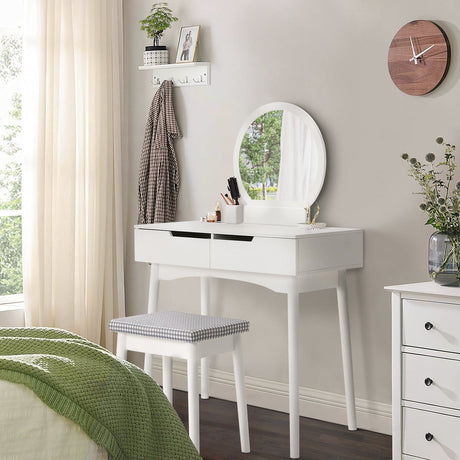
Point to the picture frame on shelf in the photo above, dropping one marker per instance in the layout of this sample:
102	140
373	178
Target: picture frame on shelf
188	40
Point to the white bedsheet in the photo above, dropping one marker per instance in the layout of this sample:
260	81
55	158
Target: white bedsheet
29	429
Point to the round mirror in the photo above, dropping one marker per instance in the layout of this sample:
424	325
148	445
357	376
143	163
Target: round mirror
280	156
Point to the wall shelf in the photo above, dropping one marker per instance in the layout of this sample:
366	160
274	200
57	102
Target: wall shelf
182	74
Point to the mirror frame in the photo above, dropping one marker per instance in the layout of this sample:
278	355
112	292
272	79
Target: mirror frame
236	154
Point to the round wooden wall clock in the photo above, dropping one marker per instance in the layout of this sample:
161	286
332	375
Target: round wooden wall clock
418	58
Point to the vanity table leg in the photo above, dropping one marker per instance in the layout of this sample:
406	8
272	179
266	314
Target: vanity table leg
346	348
154	285
205	310
293	350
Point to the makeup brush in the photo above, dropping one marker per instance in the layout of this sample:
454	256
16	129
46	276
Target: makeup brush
233	189
225	199
229	199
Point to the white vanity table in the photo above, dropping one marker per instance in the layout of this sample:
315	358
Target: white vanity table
286	259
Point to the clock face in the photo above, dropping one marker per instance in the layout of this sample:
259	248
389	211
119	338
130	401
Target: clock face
418	58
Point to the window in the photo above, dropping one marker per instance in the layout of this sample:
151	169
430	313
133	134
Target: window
10	151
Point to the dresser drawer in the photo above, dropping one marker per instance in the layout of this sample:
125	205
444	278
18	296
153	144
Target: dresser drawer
445	429
431	325
443	386
254	254
189	249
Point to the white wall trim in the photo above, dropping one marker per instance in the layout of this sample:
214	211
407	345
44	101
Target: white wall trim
321	405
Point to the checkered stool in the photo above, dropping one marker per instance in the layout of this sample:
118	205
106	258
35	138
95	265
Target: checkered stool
191	337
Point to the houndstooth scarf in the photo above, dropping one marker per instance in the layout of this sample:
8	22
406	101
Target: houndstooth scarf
159	173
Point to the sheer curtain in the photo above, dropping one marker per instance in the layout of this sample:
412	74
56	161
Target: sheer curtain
72	216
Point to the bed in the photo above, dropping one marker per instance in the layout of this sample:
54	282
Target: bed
62	396
30	429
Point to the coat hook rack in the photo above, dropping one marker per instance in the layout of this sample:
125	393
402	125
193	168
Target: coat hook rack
183	74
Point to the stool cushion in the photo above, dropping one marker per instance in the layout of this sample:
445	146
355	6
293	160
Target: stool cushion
175	325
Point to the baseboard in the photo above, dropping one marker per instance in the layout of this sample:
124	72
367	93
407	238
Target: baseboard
321	405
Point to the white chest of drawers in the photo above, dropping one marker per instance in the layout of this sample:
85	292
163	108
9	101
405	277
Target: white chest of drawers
426	371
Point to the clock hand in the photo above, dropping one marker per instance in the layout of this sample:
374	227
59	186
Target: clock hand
419	54
413	51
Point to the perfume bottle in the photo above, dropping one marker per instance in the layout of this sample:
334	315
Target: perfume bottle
218	213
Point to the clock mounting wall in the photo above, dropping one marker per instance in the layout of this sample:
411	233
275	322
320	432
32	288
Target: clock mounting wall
418	58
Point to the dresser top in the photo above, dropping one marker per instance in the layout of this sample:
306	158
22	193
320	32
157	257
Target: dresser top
427	287
261	230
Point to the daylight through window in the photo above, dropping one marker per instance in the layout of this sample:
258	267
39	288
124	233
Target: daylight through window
10	149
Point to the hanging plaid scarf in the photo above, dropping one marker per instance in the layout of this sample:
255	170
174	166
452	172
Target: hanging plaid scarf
159	173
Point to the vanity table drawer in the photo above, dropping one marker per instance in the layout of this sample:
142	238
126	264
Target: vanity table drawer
329	252
172	248
254	254
417	427
431	325
431	380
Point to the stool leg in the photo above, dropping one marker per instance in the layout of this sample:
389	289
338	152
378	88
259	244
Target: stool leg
122	352
167	378
241	394
193	399
148	364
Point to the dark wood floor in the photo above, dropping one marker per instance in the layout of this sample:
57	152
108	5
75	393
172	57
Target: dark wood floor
269	435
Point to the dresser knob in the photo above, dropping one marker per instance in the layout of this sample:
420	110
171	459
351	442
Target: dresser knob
429	436
428	326
428	381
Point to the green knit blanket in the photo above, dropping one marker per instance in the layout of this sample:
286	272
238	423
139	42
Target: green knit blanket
114	402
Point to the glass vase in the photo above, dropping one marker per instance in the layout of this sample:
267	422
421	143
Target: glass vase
443	258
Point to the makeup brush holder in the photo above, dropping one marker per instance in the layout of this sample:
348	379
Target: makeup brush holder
233	214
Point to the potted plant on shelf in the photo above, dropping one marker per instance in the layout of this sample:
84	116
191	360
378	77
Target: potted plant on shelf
155	24
441	201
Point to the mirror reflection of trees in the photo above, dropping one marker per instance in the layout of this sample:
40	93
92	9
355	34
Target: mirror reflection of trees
259	159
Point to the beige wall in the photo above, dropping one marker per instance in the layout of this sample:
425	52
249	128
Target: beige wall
330	58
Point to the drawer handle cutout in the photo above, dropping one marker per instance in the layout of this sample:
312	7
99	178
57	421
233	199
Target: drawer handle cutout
206	236
428	381
428	326
429	436
219	236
